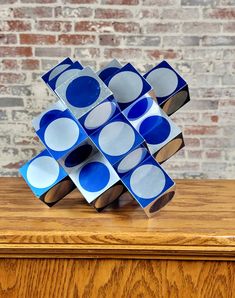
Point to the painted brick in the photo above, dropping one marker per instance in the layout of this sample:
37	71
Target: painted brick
196	36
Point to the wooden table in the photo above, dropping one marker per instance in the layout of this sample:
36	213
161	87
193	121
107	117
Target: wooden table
71	251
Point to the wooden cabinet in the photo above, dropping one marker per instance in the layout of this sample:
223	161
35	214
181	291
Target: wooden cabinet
70	250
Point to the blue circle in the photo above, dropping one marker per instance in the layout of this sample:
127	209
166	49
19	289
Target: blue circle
94	176
49	117
155	129
139	109
83	91
106	73
78	155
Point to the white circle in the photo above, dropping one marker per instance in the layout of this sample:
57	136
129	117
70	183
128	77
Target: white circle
147	181
99	115
61	134
163	80
131	160
57	70
43	172
116	138
67	75
126	86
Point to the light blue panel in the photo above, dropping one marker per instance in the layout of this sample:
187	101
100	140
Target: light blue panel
42	173
165	81
116	139
109	70
147	182
127	85
62	135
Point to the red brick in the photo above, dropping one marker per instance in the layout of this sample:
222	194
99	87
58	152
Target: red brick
12	78
108	13
10	64
109	40
30	64
162	54
120	2
15	25
8	39
126	27
56	26
201	130
122	53
192	142
32	12
220	13
75	39
15	51
37	39
213	154
93	26
194	154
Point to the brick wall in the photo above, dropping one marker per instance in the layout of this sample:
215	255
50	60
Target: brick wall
196	37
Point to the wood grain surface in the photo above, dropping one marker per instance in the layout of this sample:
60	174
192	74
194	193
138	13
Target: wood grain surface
79	278
199	223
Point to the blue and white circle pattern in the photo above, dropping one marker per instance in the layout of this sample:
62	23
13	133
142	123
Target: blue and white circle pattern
94	176
56	135
42	172
131	160
99	115
126	78
147	181
116	138
163	80
155	129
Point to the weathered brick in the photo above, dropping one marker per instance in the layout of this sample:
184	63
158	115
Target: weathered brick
180	13
126	27
32	12
15	51
151	28
15	25
144	13
219	13
76	12
8	39
200	27
201	130
11	102
141	40
76	39
180	41
37	39
162	54
229	27
120	2
30	64
87	53
52	52
160	2
199	2
94	26
218	41
55	26
109	40
10	64
12	78
102	13
122	53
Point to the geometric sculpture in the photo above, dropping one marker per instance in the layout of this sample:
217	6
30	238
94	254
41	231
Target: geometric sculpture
108	133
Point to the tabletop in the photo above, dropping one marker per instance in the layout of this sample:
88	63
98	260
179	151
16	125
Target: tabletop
199	223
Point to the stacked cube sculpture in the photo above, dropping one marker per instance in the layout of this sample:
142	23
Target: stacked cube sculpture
108	133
